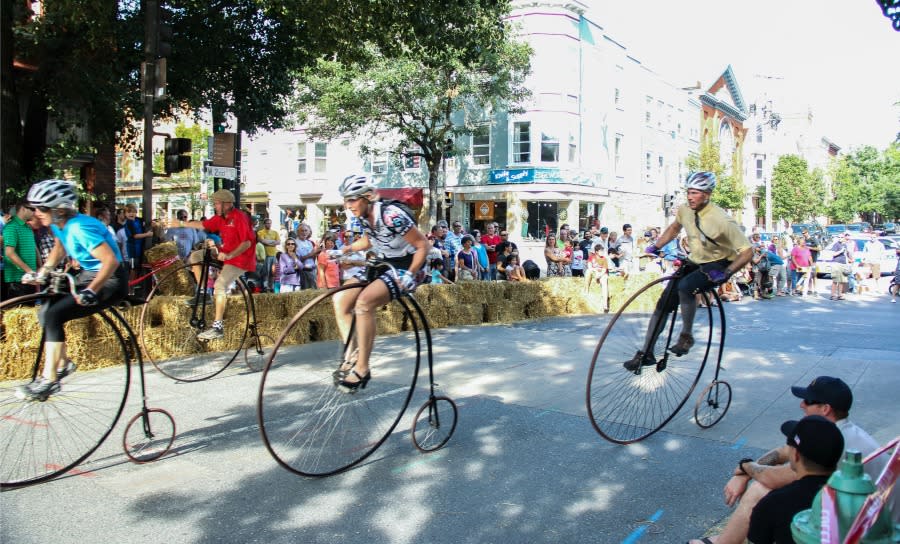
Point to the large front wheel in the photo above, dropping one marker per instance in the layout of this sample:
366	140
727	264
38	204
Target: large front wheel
310	425
41	439
626	406
176	315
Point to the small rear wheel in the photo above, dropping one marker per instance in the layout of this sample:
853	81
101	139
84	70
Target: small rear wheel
257	350
434	424
712	404
149	435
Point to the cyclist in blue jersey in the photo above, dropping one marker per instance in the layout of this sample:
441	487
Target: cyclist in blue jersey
100	282
390	231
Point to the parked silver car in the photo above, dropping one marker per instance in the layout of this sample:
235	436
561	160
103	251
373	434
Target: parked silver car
888	259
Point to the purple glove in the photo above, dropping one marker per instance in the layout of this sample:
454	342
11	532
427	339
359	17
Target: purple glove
717	277
651	249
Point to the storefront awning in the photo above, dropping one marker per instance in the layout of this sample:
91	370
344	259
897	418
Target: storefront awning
410	196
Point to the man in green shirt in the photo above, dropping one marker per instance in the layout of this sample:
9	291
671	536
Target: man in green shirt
19	250
270	239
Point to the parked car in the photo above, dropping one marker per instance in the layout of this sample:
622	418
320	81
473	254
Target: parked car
860	226
889	228
834	230
888	259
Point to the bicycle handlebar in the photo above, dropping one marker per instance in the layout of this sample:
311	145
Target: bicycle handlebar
55	281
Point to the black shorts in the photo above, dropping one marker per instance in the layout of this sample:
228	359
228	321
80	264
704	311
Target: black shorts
401	264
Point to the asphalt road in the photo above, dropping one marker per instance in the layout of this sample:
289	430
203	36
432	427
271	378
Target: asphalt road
524	465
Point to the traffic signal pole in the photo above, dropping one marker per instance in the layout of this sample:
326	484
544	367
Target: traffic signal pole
151	20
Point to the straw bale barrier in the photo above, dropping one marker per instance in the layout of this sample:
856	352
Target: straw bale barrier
469	303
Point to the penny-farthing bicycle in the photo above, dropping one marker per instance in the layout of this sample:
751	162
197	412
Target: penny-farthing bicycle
313	428
45	438
627	406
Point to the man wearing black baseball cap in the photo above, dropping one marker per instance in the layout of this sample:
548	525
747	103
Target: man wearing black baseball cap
815	446
825	396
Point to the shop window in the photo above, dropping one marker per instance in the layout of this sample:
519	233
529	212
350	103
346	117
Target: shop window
522	142
543	217
549	147
481	146
321	156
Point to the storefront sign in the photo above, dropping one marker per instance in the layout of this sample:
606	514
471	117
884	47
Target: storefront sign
484	210
518	175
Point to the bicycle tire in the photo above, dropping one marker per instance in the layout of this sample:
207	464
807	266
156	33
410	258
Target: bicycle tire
712	404
307	424
175	350
258	348
148	435
432	432
626	407
40	440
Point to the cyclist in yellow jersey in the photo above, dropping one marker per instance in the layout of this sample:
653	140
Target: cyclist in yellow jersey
718	249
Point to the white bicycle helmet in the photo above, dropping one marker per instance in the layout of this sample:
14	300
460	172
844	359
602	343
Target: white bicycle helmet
53	193
356	185
702	181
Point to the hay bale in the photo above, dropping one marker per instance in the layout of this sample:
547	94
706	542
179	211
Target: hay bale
161	252
465	314
20	337
504	312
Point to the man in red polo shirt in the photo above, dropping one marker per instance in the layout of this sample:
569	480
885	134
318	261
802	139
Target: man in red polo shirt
238	252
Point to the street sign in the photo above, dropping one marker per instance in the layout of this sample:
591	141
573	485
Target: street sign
223	172
223	149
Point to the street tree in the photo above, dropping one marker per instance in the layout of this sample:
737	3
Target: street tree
865	182
730	191
416	97
797	193
76	64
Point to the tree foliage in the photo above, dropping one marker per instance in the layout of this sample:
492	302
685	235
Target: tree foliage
798	194
417	91
866	182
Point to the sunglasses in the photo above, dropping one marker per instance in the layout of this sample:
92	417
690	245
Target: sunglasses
289	245
42	209
813	402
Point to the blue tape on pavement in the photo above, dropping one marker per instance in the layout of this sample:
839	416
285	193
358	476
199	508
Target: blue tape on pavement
637	533
737	445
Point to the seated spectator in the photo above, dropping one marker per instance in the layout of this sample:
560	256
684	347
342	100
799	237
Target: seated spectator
501	260
514	271
825	396
467	261
814	447
598	271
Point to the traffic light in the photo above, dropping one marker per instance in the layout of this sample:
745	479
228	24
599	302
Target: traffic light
668	202
175	158
164	31
448	199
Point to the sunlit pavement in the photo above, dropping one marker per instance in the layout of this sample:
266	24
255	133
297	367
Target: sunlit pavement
525	465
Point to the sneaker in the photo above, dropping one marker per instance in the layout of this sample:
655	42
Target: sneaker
893	301
639	360
39	389
684	344
66	370
212	333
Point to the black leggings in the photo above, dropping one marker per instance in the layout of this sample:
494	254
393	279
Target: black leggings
57	312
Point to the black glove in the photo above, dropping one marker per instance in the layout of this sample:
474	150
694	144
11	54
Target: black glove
86	297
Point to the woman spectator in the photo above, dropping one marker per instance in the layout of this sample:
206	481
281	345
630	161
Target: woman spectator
354	263
514	271
613	250
501	260
329	275
291	267
481	250
466	261
557	264
801	260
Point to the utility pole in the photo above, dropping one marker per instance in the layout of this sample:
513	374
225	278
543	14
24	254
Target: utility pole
148	89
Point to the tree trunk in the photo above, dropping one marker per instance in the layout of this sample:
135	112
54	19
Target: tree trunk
434	164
